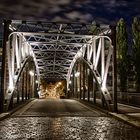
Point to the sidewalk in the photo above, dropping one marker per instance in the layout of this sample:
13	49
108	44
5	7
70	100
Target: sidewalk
7	114
126	113
129	114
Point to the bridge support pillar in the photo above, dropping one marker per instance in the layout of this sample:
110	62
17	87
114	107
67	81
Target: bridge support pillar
88	83
3	72
80	81
73	83
26	84
83	81
94	92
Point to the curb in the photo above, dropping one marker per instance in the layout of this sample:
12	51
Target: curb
126	119
9	113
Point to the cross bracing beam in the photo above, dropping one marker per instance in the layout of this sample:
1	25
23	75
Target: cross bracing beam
67	51
53	38
54	27
56	47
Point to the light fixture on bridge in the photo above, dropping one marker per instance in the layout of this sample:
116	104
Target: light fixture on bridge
31	73
10	88
103	88
70	82
15	77
39	92
77	74
79	54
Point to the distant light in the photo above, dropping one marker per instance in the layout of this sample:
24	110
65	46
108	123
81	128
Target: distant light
71	75
59	83
36	81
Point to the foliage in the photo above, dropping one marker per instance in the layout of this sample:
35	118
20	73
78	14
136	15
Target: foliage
122	47
93	29
136	48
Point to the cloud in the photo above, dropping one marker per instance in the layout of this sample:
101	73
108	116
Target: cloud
70	10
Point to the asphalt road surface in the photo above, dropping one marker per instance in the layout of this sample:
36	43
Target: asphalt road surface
64	119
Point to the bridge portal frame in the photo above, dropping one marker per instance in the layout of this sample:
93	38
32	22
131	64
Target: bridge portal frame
101	80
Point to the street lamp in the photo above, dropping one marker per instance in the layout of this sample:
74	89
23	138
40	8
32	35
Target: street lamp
70	82
77	74
31	73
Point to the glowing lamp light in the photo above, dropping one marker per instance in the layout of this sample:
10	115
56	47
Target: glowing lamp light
70	82
15	77
31	73
103	88
11	88
77	74
59	83
79	54
36	81
39	92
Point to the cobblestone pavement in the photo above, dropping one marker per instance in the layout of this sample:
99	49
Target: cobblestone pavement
25	126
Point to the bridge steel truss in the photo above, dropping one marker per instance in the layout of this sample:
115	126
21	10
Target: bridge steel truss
54	48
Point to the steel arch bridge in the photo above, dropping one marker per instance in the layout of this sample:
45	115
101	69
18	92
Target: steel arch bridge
35	50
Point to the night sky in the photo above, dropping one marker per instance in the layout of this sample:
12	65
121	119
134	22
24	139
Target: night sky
102	11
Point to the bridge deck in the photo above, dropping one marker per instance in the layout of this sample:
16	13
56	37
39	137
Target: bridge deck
57	119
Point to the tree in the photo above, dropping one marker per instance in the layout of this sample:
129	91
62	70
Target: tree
122	47
93	29
136	49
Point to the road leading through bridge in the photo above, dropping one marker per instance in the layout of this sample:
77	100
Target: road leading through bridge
64	119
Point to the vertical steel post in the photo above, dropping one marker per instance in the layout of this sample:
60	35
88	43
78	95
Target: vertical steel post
88	83
113	37
3	69
18	91
23	84
73	83
26	85
80	79
83	81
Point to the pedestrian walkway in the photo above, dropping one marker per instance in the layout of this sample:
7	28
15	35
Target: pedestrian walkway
128	114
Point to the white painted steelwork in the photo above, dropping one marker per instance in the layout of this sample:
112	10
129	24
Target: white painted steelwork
55	48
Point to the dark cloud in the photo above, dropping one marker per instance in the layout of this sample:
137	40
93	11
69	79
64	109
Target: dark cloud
70	10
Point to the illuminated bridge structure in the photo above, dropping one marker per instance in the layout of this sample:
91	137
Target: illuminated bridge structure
55	51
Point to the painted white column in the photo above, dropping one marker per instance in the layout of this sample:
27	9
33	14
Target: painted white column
17	51
13	55
102	57
98	54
